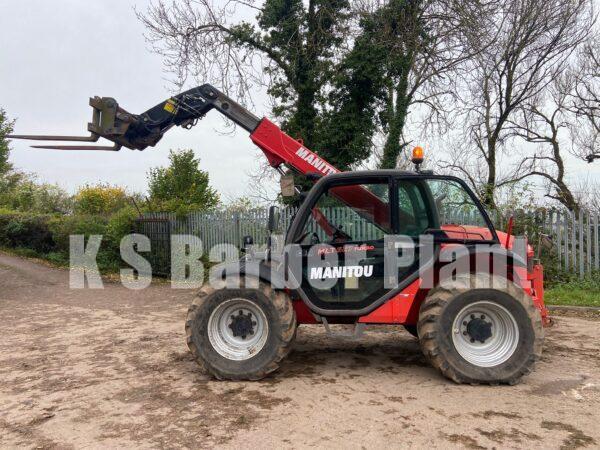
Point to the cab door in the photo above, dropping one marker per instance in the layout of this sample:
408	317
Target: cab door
342	242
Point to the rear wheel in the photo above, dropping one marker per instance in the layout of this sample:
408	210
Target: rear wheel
240	334
473	335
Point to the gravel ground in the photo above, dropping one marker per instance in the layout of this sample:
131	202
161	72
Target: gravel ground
110	368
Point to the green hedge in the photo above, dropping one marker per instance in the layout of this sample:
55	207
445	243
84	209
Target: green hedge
24	231
47	236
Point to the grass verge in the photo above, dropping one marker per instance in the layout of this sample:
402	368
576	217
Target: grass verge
584	292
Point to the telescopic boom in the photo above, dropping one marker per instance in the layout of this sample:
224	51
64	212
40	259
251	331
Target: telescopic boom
140	131
137	132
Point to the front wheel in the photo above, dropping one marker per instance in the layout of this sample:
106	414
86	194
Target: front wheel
240	334
481	335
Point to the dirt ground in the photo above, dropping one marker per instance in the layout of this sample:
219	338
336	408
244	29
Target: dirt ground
110	368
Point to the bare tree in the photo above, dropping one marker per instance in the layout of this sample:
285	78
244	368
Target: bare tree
546	124
262	185
196	40
587	194
521	47
582	89
567	113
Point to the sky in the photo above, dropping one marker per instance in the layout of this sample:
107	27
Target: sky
54	55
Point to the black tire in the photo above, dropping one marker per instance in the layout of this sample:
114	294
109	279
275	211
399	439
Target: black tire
435	329
412	329
279	312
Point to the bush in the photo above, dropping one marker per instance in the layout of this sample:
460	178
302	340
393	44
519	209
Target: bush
100	199
64	226
49	199
20	192
23	231
182	187
119	225
108	258
48	237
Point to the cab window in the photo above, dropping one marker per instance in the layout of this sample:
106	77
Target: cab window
459	216
350	213
441	206
413	215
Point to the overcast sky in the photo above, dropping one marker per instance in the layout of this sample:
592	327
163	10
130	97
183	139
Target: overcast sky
56	54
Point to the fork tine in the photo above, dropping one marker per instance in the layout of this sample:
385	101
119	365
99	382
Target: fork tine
114	148
91	138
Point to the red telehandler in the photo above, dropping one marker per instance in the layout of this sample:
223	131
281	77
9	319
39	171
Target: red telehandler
479	325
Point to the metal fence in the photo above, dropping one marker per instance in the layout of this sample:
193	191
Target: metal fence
575	236
229	227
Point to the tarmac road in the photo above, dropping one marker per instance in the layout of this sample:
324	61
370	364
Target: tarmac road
110	368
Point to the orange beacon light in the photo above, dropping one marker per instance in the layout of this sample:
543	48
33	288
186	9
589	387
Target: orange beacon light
417	155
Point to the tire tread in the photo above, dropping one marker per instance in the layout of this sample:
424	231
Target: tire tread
432	308
285	315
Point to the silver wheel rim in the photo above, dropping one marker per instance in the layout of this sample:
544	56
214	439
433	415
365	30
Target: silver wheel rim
503	332
224	329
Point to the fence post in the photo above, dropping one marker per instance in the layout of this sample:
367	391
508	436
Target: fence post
237	233
573	242
596	232
581	251
559	239
566	238
588	241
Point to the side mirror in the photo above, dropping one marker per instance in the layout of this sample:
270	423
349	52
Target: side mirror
247	242
288	189
274	217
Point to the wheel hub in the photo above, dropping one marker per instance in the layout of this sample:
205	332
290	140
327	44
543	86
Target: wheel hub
485	333
238	329
478	329
242	325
